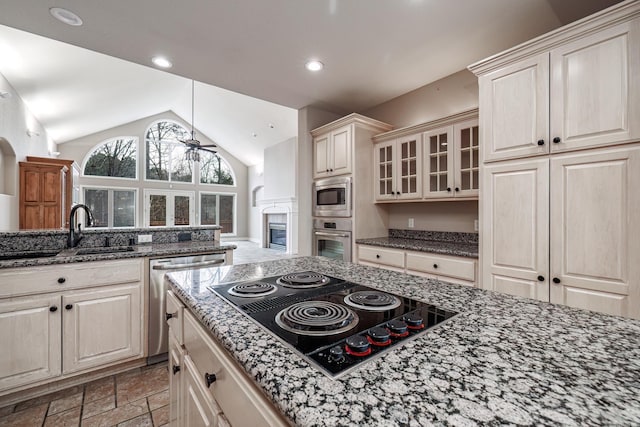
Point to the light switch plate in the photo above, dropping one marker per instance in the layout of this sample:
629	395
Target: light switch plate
144	238
411	223
475	225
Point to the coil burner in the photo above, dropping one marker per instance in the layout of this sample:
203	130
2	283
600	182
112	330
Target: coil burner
317	318
372	301
303	280
252	289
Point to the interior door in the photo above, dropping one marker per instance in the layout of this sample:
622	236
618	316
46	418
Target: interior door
515	212
595	205
169	208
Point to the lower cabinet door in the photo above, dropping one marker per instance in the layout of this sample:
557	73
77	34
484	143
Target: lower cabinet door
176	369
30	340
101	326
198	409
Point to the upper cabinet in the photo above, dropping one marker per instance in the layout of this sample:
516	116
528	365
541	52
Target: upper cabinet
431	161
334	144
574	88
398	168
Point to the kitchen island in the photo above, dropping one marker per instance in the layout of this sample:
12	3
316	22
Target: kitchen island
503	359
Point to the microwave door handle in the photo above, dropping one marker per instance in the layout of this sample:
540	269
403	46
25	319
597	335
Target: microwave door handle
321	233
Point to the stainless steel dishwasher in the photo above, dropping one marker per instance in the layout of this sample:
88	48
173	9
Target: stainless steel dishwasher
158	328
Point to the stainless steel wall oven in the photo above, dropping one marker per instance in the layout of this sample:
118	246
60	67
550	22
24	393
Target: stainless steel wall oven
332	238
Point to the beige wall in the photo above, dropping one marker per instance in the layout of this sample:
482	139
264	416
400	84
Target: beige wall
78	149
453	94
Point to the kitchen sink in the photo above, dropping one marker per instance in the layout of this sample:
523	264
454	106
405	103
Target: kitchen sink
25	255
105	250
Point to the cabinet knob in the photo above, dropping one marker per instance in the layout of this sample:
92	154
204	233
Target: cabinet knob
398	193
53	308
449	189
330	170
377	256
556	139
326	170
541	142
556	280
169	315
210	379
540	278
176	369
61	280
457	189
68	306
435	265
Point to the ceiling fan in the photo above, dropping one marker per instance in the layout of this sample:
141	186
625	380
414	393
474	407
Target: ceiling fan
194	146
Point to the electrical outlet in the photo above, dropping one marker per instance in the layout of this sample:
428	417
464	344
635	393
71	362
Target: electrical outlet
475	225
411	223
144	238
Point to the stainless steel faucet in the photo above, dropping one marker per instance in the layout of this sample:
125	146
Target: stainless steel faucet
76	236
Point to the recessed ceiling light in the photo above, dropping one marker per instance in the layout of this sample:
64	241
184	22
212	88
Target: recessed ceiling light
161	62
65	16
271	126
314	65
254	134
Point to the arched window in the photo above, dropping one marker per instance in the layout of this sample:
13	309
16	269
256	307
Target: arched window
165	153
115	157
214	169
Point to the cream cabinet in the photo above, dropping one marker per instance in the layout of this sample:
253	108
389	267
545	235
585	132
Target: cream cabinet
199	409
561	229
398	172
448	268
176	374
50	316
451	161
332	153
572	89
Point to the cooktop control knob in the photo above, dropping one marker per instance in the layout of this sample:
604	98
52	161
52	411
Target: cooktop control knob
379	336
414	321
398	328
358	346
336	354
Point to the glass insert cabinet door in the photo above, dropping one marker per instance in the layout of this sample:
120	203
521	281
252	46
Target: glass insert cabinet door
466	158
409	183
385	170
169	208
438	157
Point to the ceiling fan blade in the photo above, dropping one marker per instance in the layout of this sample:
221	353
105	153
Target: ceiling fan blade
209	145
206	149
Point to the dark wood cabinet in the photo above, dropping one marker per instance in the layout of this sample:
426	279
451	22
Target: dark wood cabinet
43	195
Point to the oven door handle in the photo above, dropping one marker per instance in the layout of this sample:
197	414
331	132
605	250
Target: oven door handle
186	266
324	234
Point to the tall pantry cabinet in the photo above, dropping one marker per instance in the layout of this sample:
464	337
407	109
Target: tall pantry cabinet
559	203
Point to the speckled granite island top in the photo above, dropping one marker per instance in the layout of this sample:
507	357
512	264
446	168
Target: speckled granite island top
503	360
469	250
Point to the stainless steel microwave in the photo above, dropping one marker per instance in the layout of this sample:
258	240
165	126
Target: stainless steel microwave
332	197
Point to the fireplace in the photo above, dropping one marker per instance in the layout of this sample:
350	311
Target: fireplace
278	235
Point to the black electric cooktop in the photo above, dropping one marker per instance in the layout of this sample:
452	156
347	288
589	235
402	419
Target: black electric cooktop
333	323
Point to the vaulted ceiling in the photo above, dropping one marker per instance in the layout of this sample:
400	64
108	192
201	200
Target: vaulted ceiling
373	51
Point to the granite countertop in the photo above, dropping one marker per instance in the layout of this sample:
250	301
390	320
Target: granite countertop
67	256
503	360
462	249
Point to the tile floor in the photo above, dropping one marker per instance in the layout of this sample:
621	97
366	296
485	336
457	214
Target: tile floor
136	398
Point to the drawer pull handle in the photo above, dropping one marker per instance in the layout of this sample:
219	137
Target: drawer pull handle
176	369
53	308
377	256
68	306
435	265
61	280
210	379
170	315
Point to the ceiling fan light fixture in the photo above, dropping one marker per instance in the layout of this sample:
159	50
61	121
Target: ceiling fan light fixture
161	62
65	16
314	65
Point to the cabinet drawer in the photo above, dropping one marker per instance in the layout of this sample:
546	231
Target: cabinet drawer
442	265
378	255
175	309
240	400
52	278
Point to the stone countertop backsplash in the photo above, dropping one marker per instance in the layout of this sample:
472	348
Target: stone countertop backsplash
165	243
502	360
440	242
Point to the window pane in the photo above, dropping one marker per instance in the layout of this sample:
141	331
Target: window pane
168	132
181	169
157	210
124	208
98	203
157	160
214	170
208	209
115	158
226	214
181	210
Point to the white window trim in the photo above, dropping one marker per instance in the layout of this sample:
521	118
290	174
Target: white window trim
170	205
235	210
97	146
102	187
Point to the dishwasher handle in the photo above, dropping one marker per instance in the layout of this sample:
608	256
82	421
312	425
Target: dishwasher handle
187	266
